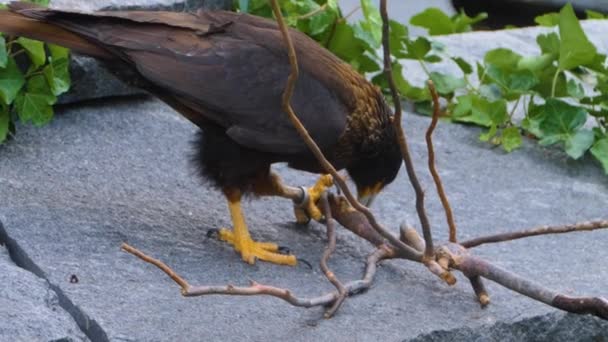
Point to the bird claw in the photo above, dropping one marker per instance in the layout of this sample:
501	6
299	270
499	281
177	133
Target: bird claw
307	208
251	250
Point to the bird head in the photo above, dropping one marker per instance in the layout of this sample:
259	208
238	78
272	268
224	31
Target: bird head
377	165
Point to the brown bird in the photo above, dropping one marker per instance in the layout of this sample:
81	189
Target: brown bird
226	73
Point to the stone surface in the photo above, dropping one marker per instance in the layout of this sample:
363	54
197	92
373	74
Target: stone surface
30	309
100	175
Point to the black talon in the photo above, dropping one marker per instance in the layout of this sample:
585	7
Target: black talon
305	262
284	250
213	233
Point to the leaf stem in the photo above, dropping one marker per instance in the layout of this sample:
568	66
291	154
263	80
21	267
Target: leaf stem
313	13
513	110
426	70
554	84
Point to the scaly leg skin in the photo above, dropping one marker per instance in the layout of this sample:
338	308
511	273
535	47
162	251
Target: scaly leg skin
305	205
241	240
309	209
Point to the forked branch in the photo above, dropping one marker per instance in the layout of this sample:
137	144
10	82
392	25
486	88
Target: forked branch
401	137
256	289
433	169
359	219
542	230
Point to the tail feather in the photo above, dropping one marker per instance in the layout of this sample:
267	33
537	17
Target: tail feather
13	23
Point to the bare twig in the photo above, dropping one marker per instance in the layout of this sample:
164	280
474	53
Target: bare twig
406	250
255	288
480	290
474	266
331	247
353	11
429	143
168	271
410	236
542	230
313	13
402	139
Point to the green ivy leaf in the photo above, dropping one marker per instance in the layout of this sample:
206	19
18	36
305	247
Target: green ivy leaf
373	22
575	89
416	94
363	34
58	76
536	63
511	138
545	78
578	143
344	43
521	81
462	22
34	49
562	122
575	49
595	15
487	136
503	58
244	6
549	43
490	91
434	20
397	36
472	108
446	84
418	48
321	22
466	68
533	119
548	20
600	152
3	53
40	2
11	81
35	104
4	122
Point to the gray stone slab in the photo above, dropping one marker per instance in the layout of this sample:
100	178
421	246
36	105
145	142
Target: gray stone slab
29	307
103	174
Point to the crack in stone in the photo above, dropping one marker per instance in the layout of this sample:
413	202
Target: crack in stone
88	326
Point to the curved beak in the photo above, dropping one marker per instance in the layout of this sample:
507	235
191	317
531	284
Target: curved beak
367	195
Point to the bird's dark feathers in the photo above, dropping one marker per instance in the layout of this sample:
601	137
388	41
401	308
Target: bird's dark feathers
230	73
226	72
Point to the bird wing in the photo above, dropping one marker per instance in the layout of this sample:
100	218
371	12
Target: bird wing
231	71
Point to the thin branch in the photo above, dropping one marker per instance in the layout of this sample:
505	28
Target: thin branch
480	290
255	288
331	247
406	250
168	271
541	230
431	151
313	13
353	11
402	139
474	266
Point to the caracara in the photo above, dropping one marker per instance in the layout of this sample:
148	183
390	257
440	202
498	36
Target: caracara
226	73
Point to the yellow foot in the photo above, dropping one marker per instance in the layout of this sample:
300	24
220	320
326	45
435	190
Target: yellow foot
309	208
251	250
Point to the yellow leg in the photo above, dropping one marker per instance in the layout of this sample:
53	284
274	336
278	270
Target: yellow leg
270	184
241	240
310	209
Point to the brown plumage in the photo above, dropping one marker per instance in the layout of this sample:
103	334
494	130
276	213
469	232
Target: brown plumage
226	72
